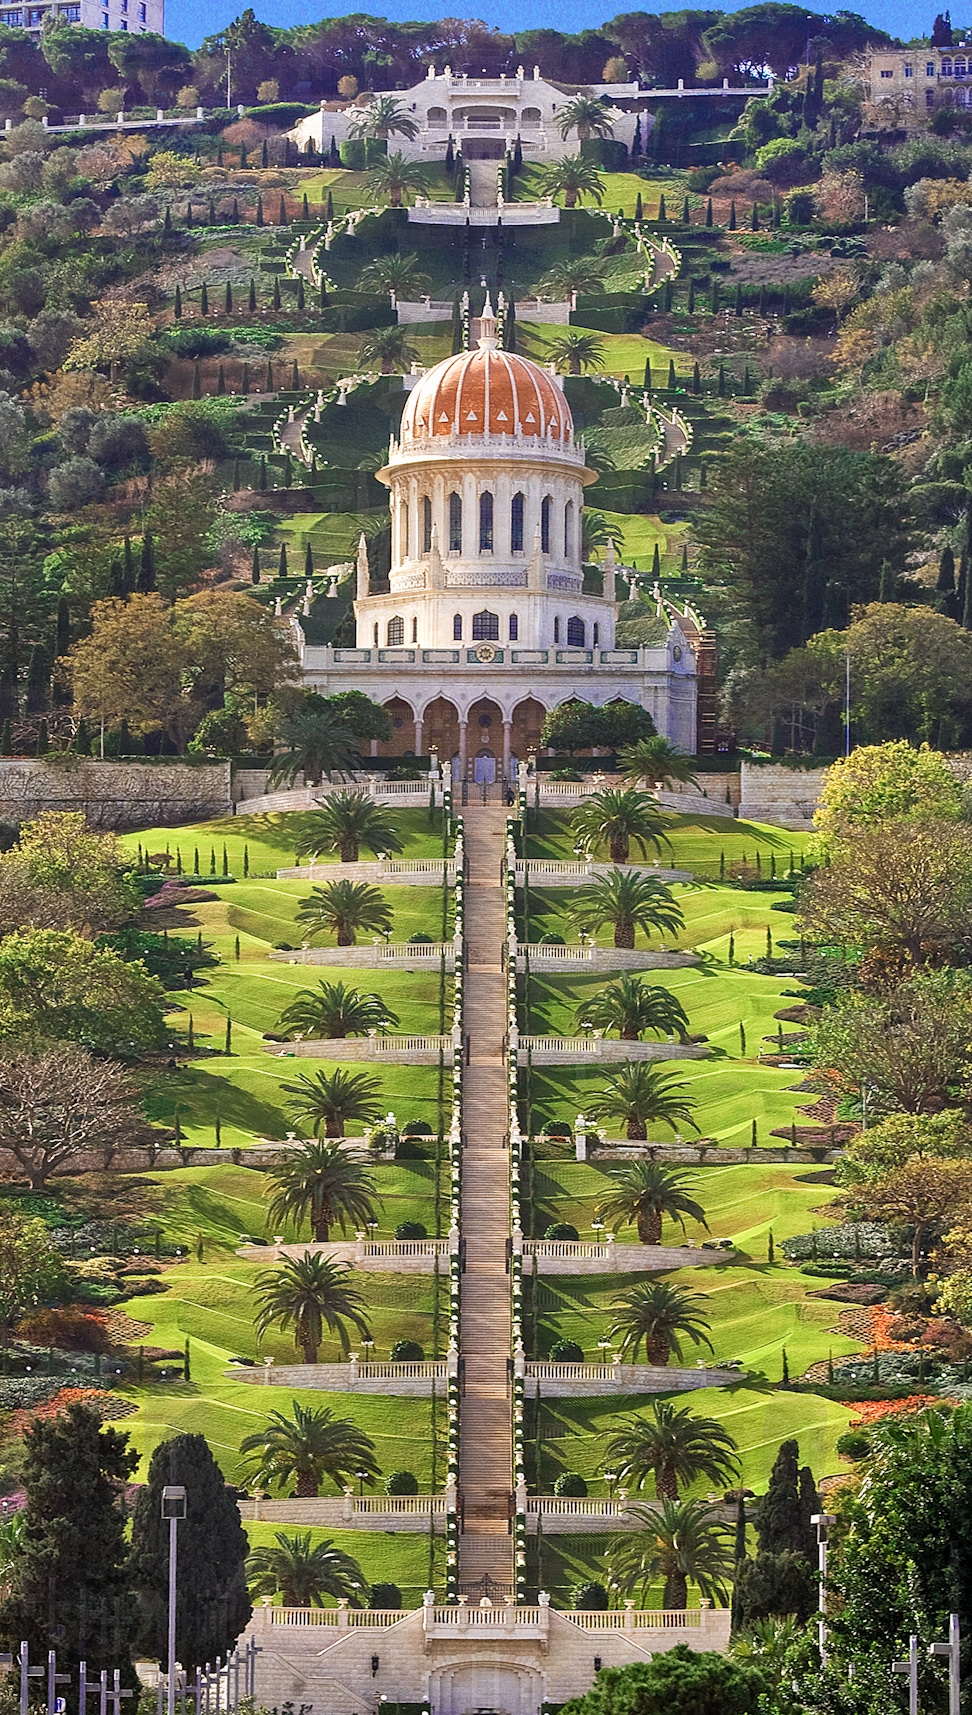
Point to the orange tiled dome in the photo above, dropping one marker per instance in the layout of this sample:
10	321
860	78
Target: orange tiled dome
487	391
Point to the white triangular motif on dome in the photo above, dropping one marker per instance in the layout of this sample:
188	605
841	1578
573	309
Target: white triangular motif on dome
501	417
470	416
529	418
553	422
443	418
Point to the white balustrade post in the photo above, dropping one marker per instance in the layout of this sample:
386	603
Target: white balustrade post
629	1619
346	1503
359	1250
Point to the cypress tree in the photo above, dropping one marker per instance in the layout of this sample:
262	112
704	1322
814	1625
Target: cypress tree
228	299
754	224
245	380
167	223
282	212
672	377
188	213
219	154
647	382
228	1047
714	298
259	206
637	145
282	566
204	300
732	217
738	304
762	300
662	214
691	297
263	472
639	206
686	213
220	381
243	160
128	568
669	294
721	385
196	380
235	217
966	596
786	300
304	209
276	291
946	573
300	292
269	376
212	212
696	379
329	212
322	295
747	381
295	376
255	569
236	476
177	306
264	156
708	212
246	860
43	742
252	300
655	562
146	569
308	561
780	1525
288	468
213	1604
739	1548
81	743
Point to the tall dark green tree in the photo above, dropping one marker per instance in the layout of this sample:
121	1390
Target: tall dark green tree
70	1585
213	1604
146	568
38	680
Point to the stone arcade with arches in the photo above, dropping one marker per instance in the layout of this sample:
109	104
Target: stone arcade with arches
488	621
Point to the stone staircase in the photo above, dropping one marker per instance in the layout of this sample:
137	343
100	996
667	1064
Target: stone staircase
485	1548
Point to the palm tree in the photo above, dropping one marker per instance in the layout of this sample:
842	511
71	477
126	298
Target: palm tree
631	1006
306	1447
308	1293
656	761
573	178
656	1315
345	822
646	1193
316	743
619	818
628	900
680	1541
575	274
641	1095
673	1445
767	1645
579	351
383	117
388	349
305	1571
397	179
333	1099
587	115
344	908
323	1183
333	1011
596	532
396	274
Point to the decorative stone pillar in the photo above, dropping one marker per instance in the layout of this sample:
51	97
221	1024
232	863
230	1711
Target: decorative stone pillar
507	747
463	731
419	724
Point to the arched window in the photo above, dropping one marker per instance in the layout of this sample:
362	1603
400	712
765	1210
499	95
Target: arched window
426	524
516	524
568	529
557	629
457	628
575	633
396	631
485	627
414	628
545	524
455	524
514	627
486	523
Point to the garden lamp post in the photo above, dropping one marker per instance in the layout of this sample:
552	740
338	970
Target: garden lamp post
173	1509
951	1651
910	1667
822	1521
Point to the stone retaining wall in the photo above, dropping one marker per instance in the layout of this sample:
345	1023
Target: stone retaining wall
124	794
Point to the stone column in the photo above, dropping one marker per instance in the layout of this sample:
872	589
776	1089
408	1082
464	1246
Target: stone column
419	733
507	747
463	729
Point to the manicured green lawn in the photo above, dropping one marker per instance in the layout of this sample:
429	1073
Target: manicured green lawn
385	1557
270	840
623	353
726	1095
695	841
351	190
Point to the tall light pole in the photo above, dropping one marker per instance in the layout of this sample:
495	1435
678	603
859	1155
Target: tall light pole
951	1650
910	1667
822	1520
173	1509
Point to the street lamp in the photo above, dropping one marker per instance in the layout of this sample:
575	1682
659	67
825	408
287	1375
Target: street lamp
951	1650
173	1509
361	1475
910	1667
610	1477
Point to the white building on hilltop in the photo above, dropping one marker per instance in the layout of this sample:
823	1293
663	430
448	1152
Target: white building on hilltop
483	115
486	625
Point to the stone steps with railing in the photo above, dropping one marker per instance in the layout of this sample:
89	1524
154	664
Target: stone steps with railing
393	872
379	1256
549	956
354	1512
573	1381
397	1050
572	872
606	1256
414	1380
384	955
558	1050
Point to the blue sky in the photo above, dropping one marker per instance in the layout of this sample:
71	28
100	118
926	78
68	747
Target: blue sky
190	20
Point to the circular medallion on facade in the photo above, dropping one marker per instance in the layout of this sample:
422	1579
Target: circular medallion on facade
485	653
677	652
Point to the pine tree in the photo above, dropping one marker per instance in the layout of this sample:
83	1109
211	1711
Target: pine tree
146	570
72	1561
213	1604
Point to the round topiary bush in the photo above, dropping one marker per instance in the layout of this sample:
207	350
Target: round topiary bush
420	941
410	1230
566	1352
557	1128
416	1128
552	941
590	1595
561	1230
856	1444
570	1483
384	1596
407	1352
401	1483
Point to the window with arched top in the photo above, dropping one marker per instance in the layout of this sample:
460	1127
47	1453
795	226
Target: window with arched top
545	524
437	116
576	632
485	627
455	524
516	524
396	631
568	529
486	523
426	524
457	628
514	627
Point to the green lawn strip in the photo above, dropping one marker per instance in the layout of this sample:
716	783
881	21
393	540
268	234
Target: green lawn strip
350	190
712	913
385	1557
270	839
575	1434
635	534
255	994
623	353
715	999
754	1313
727	1095
224	1205
245	1091
742	1202
265	911
694	840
